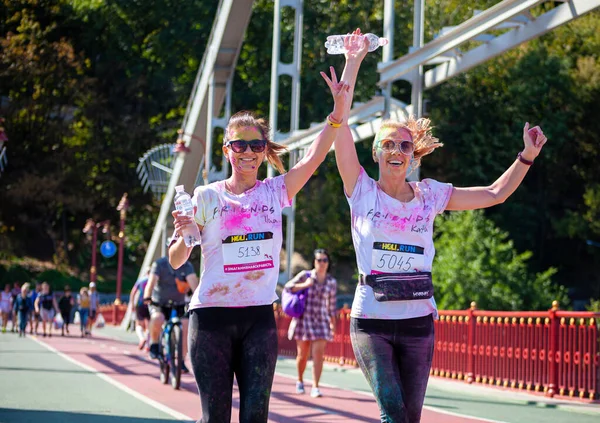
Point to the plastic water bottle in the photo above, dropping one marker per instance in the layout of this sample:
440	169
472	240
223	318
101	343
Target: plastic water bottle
183	204
335	43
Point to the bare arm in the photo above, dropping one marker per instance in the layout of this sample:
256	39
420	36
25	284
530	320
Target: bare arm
342	95
152	279
132	294
482	197
345	150
192	280
179	253
300	282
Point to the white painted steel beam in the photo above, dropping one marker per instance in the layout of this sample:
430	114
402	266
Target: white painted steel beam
550	20
366	112
218	64
477	25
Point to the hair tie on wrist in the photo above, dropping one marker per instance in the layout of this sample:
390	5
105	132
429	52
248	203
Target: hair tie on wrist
523	160
331	123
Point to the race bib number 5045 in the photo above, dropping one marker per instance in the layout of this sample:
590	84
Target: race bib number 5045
389	257
243	253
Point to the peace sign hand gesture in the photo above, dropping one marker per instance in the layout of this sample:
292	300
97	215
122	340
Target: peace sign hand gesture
340	92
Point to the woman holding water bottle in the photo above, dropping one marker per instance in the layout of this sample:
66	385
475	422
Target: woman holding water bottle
392	314
232	326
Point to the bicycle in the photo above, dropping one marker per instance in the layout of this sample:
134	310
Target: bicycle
170	343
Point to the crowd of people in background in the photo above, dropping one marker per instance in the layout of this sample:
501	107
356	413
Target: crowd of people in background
24	305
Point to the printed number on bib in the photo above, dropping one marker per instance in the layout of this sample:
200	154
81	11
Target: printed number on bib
244	253
396	258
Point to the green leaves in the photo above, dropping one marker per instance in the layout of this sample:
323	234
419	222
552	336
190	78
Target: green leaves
476	261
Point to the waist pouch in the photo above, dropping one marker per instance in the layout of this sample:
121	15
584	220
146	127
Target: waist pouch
399	286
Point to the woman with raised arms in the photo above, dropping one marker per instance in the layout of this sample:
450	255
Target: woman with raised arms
232	327
392	223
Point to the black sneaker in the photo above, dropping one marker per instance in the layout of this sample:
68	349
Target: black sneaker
154	351
184	369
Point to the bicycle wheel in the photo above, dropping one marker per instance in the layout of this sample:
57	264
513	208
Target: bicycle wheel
176	360
162	359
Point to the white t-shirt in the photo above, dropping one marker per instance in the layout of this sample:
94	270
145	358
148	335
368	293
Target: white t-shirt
393	237
241	242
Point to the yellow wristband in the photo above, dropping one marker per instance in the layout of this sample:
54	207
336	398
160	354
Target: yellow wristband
332	123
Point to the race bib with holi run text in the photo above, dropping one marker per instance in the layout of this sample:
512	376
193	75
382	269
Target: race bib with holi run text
248	252
389	257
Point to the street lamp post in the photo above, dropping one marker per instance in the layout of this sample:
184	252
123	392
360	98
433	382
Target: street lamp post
122	208
92	226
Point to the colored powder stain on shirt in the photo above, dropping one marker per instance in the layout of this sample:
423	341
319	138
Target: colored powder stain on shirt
218	289
235	221
252	276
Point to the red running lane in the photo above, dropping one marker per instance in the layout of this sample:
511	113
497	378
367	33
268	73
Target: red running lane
124	363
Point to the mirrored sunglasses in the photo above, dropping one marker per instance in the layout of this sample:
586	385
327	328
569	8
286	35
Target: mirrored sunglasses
240	146
404	146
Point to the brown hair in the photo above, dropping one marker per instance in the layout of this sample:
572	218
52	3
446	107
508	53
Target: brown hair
246	118
420	131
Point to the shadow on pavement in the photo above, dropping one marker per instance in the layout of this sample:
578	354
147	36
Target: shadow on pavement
11	415
512	402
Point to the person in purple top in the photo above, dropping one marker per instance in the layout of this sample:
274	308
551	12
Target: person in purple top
140	308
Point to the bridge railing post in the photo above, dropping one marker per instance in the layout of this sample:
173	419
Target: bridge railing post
470	341
553	350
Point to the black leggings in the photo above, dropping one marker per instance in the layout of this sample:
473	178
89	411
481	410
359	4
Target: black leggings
395	357
228	341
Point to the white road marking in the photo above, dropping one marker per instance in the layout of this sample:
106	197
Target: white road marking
161	407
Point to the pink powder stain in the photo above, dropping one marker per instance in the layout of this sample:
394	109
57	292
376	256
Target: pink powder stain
236	221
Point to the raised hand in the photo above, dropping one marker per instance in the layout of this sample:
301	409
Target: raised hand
534	140
356	46
339	91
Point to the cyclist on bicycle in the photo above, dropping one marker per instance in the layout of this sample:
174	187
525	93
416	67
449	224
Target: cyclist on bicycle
167	285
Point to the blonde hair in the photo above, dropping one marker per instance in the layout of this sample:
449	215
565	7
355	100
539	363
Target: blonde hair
246	118
83	291
420	132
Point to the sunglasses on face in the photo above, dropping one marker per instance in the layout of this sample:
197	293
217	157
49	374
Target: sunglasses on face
322	260
404	146
240	146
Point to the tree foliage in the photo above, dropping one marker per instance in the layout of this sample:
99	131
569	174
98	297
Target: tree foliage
476	261
88	86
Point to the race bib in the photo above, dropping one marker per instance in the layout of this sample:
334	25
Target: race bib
396	258
244	253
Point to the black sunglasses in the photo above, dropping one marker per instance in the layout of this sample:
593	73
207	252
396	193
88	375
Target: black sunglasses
322	260
240	146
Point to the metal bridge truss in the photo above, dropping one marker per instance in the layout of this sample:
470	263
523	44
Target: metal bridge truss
488	34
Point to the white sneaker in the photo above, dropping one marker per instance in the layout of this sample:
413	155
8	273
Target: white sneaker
299	387
315	393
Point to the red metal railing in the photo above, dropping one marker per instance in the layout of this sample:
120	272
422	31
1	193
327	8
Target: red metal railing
553	352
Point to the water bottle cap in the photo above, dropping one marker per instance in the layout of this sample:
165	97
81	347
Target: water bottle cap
383	41
179	188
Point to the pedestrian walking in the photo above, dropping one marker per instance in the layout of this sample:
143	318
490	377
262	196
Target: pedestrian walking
316	326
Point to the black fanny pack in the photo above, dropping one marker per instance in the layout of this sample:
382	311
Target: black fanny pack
399	286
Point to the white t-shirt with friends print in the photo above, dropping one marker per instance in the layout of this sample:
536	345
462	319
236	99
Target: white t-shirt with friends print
391	236
241	242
